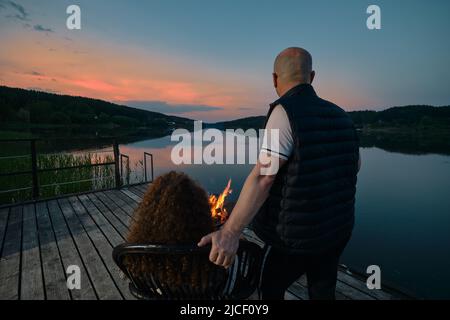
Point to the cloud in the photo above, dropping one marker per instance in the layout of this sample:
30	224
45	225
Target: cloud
19	8
19	11
161	106
40	28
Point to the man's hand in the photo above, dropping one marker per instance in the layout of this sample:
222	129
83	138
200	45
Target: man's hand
224	246
255	191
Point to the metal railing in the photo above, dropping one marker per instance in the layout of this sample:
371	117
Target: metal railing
146	154
122	156
35	170
120	176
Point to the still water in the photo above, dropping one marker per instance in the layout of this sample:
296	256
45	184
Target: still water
402	211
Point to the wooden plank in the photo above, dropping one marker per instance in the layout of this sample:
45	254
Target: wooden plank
131	202
360	285
253	296
302	281
101	280
4	215
143	187
91	225
299	291
140	186
136	191
114	208
114	196
103	236
10	259
32	286
93	204
343	290
289	296
131	195
112	235
351	292
69	253
119	211
52	267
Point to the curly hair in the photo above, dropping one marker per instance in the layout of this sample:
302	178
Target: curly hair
174	210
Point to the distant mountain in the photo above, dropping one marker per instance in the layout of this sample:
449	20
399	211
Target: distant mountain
20	107
243	123
421	116
406	117
28	108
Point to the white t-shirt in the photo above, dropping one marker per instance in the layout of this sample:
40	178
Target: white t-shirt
283	147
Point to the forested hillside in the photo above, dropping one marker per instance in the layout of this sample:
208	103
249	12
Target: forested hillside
407	117
28	107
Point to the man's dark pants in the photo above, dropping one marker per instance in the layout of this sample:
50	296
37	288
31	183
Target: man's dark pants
281	269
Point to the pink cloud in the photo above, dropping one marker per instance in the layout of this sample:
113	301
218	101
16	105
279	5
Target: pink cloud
109	74
115	73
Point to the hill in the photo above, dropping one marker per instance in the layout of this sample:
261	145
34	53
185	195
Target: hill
403	118
417	117
29	108
243	123
21	108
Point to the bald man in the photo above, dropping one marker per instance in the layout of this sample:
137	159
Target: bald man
302	207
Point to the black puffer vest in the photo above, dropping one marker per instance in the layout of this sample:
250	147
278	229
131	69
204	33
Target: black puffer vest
311	204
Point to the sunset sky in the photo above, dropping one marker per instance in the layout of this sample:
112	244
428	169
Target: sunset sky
212	60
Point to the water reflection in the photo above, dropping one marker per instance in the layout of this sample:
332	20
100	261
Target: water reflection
212	177
410	142
403	207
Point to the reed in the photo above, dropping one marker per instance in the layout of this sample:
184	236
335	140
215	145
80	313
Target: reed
56	182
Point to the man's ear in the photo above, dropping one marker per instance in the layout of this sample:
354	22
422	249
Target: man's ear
313	74
275	80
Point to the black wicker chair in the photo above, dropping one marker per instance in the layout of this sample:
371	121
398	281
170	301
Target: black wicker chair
240	280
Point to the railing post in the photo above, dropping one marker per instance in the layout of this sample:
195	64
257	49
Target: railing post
152	167
34	173
145	165
128	168
116	163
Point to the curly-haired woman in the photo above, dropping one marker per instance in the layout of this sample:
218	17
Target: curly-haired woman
174	210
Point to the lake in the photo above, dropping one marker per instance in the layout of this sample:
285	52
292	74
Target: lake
402	211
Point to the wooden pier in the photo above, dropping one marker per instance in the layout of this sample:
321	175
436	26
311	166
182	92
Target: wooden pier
40	240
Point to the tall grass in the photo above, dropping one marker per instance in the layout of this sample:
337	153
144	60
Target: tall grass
56	182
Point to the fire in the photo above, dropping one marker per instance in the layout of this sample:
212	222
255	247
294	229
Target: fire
218	212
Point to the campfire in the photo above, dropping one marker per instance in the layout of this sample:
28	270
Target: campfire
218	210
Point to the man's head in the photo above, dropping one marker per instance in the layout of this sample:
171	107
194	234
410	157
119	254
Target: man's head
293	66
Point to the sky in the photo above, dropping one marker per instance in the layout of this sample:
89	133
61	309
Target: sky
213	60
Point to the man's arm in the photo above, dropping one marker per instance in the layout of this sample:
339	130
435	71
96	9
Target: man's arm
254	193
275	150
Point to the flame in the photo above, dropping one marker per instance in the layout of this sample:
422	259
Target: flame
218	212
